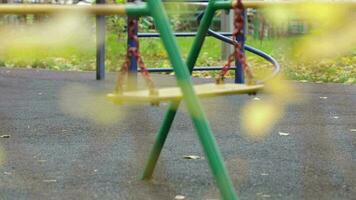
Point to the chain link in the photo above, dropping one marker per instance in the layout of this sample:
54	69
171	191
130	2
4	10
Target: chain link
134	52
238	53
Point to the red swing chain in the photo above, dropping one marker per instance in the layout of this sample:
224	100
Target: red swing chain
238	30
134	51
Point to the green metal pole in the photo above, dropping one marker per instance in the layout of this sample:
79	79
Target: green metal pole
185	83
169	117
159	141
137	9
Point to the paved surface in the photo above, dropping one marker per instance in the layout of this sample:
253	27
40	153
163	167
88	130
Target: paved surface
56	150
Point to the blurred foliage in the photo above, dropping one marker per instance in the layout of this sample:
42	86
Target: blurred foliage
259	117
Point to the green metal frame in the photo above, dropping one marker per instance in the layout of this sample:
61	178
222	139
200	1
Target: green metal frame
183	76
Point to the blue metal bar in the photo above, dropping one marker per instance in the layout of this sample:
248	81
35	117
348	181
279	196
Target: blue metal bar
100	45
181	34
269	58
239	72
212	68
133	68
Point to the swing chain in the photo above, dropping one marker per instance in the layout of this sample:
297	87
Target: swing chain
134	52
238	53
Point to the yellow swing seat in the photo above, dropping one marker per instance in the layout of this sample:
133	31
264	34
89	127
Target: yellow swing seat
174	93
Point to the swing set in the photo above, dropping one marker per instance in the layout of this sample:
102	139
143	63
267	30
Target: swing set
154	95
185	91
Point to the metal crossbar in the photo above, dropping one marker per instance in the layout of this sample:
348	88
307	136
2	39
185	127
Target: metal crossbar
142	9
128	9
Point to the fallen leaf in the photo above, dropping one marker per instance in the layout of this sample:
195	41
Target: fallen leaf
50	181
5	136
179	197
192	157
266	196
283	133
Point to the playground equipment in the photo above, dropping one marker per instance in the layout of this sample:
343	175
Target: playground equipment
182	71
186	91
239	74
154	95
100	44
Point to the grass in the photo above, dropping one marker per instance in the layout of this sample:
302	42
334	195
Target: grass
340	69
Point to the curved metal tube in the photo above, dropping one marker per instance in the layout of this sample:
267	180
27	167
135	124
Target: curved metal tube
269	58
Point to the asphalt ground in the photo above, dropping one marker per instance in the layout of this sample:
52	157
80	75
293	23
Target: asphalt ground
65	141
